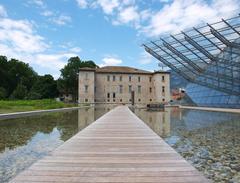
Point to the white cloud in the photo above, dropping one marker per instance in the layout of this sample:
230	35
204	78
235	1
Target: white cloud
37	2
47	13
82	3
19	34
52	61
19	39
145	58
128	14
110	61
108	6
75	49
171	16
182	14
3	12
62	19
164	1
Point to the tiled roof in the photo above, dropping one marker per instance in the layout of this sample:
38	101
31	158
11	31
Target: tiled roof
121	69
87	69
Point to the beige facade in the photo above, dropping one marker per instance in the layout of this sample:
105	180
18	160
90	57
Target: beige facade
113	84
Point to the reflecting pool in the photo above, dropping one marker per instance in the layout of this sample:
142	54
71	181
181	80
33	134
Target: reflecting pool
210	141
27	139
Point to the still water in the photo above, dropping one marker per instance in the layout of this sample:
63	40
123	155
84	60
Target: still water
210	141
27	139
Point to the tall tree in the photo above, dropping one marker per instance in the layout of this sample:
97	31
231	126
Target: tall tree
44	87
68	82
19	81
20	92
20	73
4	76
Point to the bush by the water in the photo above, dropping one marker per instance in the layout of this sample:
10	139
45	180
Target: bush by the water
29	105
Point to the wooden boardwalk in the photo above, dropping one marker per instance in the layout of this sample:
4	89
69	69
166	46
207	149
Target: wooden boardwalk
118	147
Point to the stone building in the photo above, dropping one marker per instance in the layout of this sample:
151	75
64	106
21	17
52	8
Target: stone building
116	84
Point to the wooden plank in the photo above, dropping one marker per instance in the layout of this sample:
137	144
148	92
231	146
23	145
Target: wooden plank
118	147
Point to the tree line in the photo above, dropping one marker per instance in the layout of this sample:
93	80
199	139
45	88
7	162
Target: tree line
19	81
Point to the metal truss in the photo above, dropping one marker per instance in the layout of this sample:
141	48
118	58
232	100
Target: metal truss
208	55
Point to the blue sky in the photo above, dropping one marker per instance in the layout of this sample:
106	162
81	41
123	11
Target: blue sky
45	33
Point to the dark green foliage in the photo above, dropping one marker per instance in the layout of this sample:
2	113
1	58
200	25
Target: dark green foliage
34	95
19	81
20	92
4	76
68	82
3	93
16	78
44	87
20	72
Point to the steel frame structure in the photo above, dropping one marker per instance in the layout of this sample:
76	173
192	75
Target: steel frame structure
208	55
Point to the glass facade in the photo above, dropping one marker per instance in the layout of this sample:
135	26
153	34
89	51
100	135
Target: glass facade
204	96
208	58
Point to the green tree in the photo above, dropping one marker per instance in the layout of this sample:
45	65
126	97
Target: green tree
68	82
19	81
20	92
4	76
20	72
14	73
44	87
3	93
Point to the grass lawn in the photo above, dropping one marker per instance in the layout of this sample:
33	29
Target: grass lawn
8	106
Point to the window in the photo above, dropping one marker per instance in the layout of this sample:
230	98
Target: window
130	88
150	90
163	100
120	78
130	78
150	79
139	78
108	100
86	100
114	78
114	95
139	89
108	78
120	100
163	78
120	88
113	100
139	100
86	88
163	89
150	100
108	95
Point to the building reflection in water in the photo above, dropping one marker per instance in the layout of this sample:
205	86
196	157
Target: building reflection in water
158	121
85	117
90	114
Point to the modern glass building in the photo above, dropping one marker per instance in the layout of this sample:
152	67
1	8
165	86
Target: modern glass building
208	58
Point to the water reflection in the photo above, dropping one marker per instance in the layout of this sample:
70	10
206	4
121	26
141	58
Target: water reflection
159	121
27	139
208	140
87	115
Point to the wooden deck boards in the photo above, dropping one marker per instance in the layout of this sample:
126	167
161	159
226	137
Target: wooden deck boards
118	147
